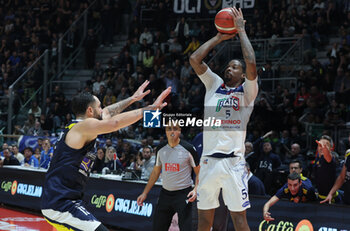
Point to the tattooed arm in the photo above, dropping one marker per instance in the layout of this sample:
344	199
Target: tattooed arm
247	49
118	107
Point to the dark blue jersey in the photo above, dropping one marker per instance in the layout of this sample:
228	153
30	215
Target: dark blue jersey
68	172
306	193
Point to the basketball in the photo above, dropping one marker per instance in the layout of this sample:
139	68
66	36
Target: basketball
224	21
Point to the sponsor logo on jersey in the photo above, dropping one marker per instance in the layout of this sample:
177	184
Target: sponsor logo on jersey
230	122
228	103
172	167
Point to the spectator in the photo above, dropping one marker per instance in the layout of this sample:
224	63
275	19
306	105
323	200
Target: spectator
40	143
57	95
123	94
9	159
109	98
186	70
98	71
249	152
137	164
294	190
267	163
159	58
182	31
35	110
203	34
36	130
97	85
100	161
110	152
29	159
46	154
175	49
255	185
294	154
147	163
46	123
171	80
4	146
146	35
296	166
192	46
147	61
37	153
19	156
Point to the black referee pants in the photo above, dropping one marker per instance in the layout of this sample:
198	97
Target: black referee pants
169	203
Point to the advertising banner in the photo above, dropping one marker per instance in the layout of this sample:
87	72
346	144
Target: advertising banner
208	8
113	202
21	188
291	216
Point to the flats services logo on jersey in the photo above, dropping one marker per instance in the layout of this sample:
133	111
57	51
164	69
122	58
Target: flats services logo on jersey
151	118
228	103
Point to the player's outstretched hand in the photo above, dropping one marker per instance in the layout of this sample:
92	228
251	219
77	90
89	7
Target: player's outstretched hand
238	19
328	199
139	94
192	195
141	199
159	103
267	217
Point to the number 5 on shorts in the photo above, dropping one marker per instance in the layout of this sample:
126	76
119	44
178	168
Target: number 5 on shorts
244	194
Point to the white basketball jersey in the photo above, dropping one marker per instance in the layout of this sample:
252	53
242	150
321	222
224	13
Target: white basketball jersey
233	106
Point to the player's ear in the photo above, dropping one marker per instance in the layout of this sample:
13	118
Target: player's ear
89	110
243	75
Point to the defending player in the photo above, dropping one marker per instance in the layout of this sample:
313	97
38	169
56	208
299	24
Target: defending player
231	100
75	153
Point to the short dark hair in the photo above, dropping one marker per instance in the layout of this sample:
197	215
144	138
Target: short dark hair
296	161
149	147
294	176
81	102
325	137
29	148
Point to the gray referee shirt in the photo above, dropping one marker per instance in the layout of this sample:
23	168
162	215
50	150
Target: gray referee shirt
177	163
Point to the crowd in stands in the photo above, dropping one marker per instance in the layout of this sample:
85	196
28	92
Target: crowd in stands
159	52
27	29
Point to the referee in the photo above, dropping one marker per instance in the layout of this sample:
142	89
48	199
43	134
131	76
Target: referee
175	160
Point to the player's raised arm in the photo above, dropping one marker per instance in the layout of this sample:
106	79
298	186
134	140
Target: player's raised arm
120	106
247	49
196	59
91	127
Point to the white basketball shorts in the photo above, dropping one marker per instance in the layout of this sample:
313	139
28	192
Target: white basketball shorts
228	174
